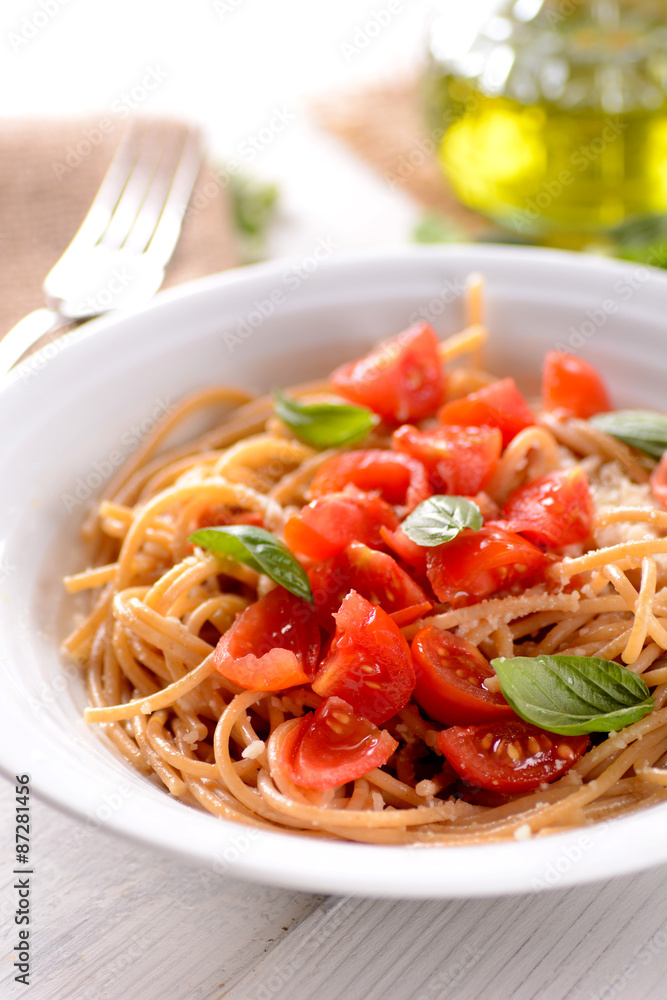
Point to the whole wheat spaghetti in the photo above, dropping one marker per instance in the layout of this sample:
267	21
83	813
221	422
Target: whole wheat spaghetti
159	606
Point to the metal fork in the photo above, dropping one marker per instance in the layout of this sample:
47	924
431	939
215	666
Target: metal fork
118	256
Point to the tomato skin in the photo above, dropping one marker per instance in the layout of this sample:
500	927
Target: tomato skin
407	550
459	460
572	385
555	510
273	644
477	563
324	527
374	575
479	754
369	663
497	405
659	481
399	478
333	746
450	672
402	379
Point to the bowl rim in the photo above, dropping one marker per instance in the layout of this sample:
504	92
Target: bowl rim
319	865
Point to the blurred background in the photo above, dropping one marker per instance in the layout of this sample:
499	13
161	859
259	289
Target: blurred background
379	121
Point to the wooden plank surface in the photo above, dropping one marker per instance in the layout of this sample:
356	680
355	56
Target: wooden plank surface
113	921
590	943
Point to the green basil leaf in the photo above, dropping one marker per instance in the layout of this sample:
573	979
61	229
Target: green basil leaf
258	549
573	694
641	429
440	519
324	425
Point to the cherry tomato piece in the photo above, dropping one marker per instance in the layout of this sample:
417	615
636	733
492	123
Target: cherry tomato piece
555	510
333	746
572	385
407	550
402	379
477	563
509	756
450	674
324	527
273	644
406	616
399	478
374	575
497	405
459	460
368	663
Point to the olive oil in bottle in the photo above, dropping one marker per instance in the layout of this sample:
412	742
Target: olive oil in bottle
551	118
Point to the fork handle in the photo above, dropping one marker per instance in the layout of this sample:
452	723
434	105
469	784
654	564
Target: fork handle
26	333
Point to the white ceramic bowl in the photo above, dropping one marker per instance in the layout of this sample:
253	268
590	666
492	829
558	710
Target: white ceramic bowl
67	416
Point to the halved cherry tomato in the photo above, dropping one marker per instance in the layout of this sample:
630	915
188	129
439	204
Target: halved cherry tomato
402	379
369	662
374	575
572	385
333	746
659	481
324	527
497	405
555	510
450	675
509	756
399	478
459	460
273	644
477	563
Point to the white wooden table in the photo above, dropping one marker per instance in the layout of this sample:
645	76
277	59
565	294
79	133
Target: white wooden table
111	920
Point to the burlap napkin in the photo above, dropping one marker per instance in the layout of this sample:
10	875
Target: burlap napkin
385	125
50	172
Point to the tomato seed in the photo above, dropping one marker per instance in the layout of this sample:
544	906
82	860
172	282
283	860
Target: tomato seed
513	752
487	741
565	752
533	745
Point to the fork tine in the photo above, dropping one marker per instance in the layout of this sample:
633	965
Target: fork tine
112	187
168	228
138	183
158	191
